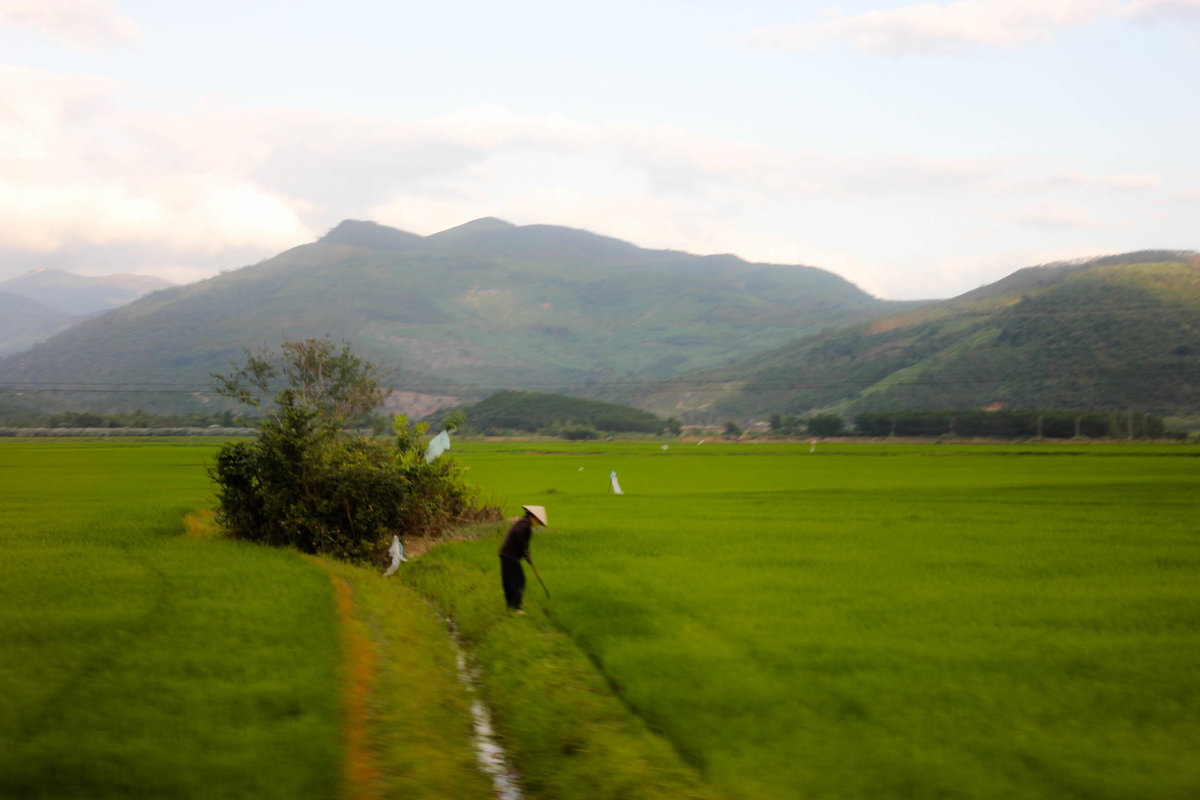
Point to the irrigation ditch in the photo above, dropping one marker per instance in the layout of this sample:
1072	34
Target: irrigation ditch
490	754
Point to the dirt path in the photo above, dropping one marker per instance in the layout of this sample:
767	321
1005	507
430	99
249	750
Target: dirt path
410	716
361	774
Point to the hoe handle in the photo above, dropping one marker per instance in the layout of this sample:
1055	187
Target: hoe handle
539	576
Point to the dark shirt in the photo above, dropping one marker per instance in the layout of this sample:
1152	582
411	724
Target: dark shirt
516	541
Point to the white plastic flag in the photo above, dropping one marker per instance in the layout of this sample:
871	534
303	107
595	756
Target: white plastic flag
437	445
616	487
396	551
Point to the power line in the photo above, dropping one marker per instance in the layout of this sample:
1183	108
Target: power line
667	384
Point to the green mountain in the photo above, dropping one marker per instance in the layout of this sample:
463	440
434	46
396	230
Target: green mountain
1117	333
459	314
24	322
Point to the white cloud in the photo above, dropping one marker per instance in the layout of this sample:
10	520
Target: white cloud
84	24
76	169
1128	182
1163	10
37	109
939	28
86	180
1051	216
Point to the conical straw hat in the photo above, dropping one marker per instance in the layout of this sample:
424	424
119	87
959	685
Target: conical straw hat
538	512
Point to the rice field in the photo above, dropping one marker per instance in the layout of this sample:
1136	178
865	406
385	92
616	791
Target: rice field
141	660
137	662
859	621
880	621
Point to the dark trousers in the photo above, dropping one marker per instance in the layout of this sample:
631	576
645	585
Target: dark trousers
513	577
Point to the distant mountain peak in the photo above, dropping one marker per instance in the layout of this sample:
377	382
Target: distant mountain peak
476	226
44	272
372	235
442	311
486	224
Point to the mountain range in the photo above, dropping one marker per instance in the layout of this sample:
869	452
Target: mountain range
458	314
491	306
40	303
1115	333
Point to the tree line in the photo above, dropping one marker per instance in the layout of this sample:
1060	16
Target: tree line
975	423
559	415
130	419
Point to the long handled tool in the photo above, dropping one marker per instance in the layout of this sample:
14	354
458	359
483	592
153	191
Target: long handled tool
539	576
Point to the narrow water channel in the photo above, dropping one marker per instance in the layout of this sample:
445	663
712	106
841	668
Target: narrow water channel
488	752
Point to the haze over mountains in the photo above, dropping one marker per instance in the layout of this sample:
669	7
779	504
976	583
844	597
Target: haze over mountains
42	302
489	306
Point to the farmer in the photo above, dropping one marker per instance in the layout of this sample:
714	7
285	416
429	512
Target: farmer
516	547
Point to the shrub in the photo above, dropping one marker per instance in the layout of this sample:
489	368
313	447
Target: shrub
306	482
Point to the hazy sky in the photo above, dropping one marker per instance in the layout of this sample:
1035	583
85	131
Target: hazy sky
917	149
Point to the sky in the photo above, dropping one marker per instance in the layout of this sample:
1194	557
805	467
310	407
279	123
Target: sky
919	150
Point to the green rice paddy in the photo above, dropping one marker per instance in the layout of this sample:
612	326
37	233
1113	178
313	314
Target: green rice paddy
135	662
861	621
974	622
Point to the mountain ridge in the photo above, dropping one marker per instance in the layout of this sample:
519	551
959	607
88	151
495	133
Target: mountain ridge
489	306
1103	335
75	295
481	306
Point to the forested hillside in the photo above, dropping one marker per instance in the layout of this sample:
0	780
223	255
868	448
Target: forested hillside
478	308
1115	334
489	307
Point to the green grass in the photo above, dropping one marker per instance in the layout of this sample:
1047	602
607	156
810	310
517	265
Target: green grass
137	663
564	730
417	720
921	621
865	621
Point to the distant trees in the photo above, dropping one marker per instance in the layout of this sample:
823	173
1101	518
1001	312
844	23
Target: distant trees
785	425
307	481
826	425
819	425
130	419
560	415
1011	424
977	423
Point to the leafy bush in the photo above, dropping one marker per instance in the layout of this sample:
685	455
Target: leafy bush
574	431
306	482
826	425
